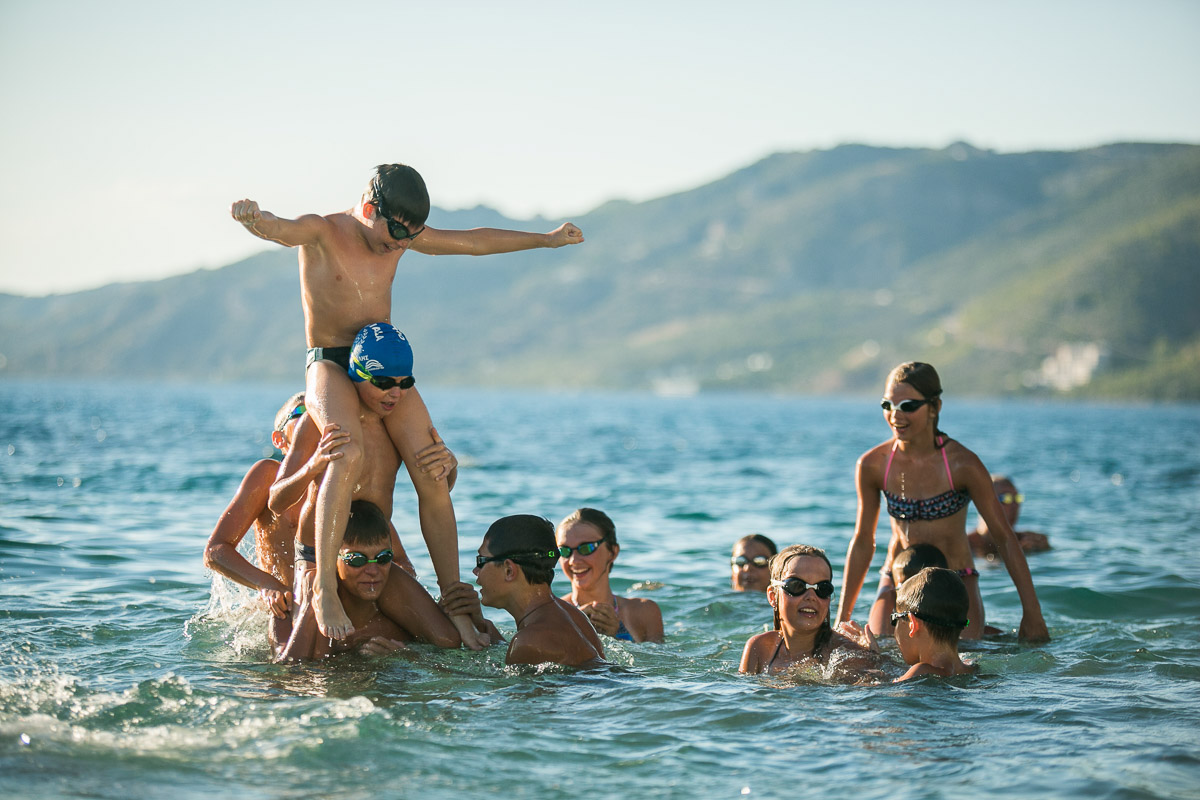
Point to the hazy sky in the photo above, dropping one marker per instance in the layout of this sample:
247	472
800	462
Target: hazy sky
129	127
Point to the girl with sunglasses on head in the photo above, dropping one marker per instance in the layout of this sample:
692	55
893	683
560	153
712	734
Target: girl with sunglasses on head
928	479
587	541
800	592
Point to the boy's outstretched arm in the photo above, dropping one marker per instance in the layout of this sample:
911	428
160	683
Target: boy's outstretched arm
488	241
287	232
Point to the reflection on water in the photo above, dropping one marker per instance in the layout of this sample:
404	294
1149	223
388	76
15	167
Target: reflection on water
125	670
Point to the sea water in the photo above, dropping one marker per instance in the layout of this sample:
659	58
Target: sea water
128	671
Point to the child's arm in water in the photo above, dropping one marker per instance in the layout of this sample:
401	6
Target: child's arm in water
221	554
488	241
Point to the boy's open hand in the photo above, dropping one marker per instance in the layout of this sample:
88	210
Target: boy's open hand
857	633
567	233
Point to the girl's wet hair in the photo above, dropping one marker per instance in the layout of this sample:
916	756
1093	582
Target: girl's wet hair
596	518
398	190
924	378
779	565
758	537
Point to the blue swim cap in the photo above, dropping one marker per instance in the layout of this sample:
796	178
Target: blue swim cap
380	350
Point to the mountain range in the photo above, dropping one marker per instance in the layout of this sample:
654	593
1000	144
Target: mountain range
1072	273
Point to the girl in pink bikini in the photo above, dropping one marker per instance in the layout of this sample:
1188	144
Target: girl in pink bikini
928	479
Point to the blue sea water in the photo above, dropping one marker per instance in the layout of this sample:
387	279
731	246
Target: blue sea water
128	671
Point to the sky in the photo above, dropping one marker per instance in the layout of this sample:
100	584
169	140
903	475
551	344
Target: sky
130	127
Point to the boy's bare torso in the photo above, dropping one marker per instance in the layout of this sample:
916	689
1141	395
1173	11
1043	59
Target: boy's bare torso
344	283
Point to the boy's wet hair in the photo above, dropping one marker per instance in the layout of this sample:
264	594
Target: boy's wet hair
398	190
758	537
528	541
366	524
911	560
938	597
285	410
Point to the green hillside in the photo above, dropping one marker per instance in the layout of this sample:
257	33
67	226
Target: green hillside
1054	272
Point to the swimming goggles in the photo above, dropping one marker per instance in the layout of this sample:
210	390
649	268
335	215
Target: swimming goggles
358	560
945	623
907	406
758	561
585	549
796	587
384	382
1008	498
296	413
397	230
480	560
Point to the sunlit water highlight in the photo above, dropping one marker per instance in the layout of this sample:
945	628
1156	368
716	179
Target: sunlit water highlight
126	671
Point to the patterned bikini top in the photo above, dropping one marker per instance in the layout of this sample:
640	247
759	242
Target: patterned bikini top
946	504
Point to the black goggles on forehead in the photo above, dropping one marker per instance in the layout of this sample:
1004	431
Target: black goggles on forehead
797	587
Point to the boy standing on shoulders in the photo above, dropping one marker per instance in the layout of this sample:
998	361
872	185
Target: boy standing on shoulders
348	260
382	373
363	564
273	533
931	612
514	569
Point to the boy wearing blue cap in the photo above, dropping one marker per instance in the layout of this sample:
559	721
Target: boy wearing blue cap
381	367
347	264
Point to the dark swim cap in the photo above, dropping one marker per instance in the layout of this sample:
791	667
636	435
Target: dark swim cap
380	350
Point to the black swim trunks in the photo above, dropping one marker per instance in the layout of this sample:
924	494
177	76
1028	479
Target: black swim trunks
306	553
338	355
